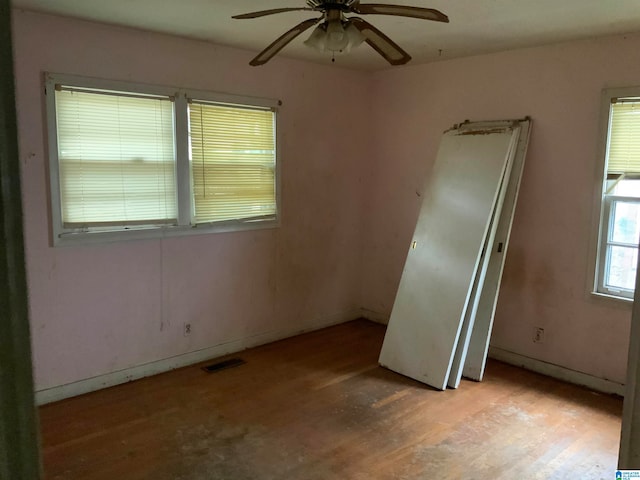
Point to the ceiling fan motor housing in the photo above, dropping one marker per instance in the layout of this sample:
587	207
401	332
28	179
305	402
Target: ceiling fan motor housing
344	5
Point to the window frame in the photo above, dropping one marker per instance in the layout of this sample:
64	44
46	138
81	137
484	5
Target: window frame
608	202
603	204
68	236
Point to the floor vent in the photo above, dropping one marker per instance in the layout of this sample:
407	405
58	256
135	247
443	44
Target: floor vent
216	367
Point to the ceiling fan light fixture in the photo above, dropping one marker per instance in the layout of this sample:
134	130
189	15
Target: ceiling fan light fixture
355	37
336	37
332	36
317	38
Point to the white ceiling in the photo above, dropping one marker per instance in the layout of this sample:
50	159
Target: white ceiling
477	26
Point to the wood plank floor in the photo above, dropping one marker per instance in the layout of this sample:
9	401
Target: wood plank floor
318	407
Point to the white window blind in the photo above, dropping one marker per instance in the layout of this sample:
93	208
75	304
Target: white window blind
233	160
624	138
116	158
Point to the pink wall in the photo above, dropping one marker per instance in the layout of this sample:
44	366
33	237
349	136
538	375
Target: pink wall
349	180
100	309
546	273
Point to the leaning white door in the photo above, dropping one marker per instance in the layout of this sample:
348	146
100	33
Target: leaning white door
483	273
443	259
476	358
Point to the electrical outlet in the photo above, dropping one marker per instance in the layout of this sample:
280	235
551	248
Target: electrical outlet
538	335
187	329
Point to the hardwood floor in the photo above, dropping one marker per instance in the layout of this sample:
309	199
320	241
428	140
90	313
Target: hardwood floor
318	407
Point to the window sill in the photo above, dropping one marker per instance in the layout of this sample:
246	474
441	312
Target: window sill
612	299
98	238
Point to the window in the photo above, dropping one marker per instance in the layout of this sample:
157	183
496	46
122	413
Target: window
232	162
133	161
620	217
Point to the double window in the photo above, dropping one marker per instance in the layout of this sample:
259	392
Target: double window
141	161
620	217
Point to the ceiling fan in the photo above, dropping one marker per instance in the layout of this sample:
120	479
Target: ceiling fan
338	33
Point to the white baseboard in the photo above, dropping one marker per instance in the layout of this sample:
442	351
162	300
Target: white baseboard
80	387
556	371
374	316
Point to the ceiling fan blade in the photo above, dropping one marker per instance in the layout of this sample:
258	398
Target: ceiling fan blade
381	43
266	55
264	13
401	11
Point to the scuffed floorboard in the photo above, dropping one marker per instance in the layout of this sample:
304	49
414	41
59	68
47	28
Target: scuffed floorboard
318	407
